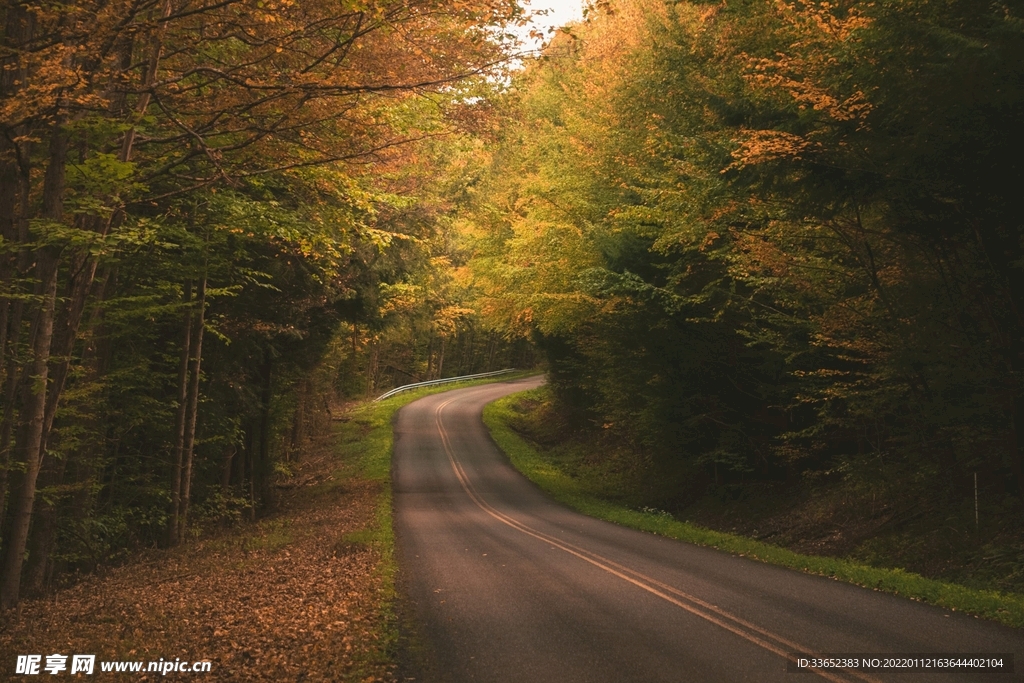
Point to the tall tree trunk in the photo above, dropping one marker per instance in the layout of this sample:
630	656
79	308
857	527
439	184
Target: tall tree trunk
179	424
34	409
15	172
298	420
250	461
238	465
353	365
491	345
195	365
44	528
440	358
156	51
1017	422
430	357
35	393
9	179
264	483
371	367
12	379
79	462
227	467
66	324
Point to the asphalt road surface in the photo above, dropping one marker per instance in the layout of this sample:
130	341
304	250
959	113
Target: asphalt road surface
503	584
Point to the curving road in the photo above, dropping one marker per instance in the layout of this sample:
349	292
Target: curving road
503	584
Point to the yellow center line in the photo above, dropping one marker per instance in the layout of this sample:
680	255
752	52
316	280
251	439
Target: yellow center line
710	612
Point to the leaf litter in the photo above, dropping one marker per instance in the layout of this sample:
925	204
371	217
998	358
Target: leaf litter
287	599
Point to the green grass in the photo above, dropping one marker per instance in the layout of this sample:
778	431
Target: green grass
365	443
546	473
270	535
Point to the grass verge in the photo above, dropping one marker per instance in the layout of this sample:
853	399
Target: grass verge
543	470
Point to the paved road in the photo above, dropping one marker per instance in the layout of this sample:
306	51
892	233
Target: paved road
506	585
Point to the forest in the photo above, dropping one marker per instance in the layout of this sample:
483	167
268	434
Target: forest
762	248
215	215
772	255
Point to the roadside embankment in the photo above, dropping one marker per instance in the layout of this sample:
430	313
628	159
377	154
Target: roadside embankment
563	474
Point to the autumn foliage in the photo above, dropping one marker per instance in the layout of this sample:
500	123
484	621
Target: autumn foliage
194	196
774	246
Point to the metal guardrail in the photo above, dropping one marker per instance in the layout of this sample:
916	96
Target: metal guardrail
432	382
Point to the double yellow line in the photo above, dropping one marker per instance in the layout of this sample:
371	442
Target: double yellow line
716	615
